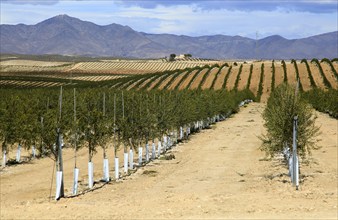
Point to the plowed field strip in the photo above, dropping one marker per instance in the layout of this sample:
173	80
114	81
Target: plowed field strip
232	78
267	81
186	82
256	74
155	82
220	79
165	82
279	74
197	80
145	82
291	74
316	75
329	74
210	78
177	80
244	77
304	76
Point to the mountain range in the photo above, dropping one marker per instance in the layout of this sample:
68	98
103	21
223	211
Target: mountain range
67	35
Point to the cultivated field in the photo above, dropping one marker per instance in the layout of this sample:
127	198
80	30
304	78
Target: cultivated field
173	75
218	174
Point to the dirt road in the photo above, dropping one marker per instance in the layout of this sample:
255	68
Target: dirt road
218	174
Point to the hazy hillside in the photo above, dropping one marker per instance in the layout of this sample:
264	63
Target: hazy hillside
70	36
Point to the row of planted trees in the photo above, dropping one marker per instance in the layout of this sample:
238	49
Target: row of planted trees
47	119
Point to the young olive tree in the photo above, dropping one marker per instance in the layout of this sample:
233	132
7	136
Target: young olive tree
282	106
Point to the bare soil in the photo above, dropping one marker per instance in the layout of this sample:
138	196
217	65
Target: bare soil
210	78
165	82
304	76
244	77
291	74
316	75
187	80
279	74
232	78
198	79
267	81
218	174
177	80
329	75
220	79
256	73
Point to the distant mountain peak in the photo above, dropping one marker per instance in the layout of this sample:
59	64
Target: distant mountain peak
63	34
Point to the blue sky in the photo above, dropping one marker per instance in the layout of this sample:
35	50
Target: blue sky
290	19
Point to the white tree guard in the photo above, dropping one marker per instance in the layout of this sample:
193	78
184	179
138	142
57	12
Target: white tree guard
33	151
131	159
181	133
76	180
125	162
4	159
165	143
290	168
297	173
90	174
106	170
153	151
159	148
147	153
116	168
140	156
58	184
18	154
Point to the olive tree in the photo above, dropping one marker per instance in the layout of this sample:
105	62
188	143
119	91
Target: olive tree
282	106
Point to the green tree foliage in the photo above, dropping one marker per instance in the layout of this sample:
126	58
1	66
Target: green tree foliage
273	76
238	77
326	82
297	74
331	66
282	106
250	76
102	115
324	101
284	70
260	86
312	81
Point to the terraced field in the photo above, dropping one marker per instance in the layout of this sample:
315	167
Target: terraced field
179	75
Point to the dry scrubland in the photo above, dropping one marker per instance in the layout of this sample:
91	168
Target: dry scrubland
218	173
